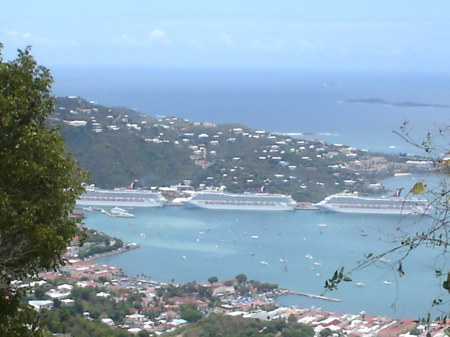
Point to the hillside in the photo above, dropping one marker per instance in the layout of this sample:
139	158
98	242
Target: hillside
118	145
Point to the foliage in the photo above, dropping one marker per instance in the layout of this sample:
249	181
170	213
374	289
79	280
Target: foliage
228	326
101	243
213	279
69	319
242	278
326	332
39	181
263	287
61	321
191	315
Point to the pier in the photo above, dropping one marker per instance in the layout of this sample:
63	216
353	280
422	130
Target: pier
315	296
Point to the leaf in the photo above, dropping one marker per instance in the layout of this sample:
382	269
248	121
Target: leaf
418	188
347	279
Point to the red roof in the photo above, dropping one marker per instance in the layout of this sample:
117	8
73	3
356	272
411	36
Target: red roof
82	263
48	276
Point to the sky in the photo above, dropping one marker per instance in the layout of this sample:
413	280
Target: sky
322	34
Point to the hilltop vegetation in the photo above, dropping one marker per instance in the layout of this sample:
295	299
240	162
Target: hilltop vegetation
118	145
224	326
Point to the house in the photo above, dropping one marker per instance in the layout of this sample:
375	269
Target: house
222	290
135	319
38	305
182	300
67	301
108	321
397	328
65	288
169	315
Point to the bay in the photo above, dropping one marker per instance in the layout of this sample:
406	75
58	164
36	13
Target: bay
183	245
280	101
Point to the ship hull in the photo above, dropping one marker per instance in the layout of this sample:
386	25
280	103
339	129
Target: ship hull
244	202
118	203
121	198
352	203
366	210
238	207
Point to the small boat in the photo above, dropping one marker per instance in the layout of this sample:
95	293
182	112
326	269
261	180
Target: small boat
387	282
255	236
309	256
360	284
382	259
317	263
282	260
263	262
120	212
323	225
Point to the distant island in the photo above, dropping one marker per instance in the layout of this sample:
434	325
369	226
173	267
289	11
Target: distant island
396	104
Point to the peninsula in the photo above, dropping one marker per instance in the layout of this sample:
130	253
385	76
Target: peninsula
396	104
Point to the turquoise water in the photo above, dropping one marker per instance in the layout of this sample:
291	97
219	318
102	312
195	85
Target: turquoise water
192	244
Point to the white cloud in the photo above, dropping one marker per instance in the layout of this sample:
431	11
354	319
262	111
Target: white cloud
226	39
307	45
258	46
158	38
126	40
157	35
39	40
199	45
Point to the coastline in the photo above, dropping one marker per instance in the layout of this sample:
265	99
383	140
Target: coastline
113	252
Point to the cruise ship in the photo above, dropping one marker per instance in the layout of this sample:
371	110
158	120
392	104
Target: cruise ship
246	201
121	197
346	202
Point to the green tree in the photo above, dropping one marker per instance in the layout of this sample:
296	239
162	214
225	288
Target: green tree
241	278
191	315
39	184
213	279
326	332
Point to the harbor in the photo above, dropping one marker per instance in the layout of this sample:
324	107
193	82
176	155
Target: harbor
185	245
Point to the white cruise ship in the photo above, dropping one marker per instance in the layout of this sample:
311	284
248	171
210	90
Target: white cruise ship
246	201
346	202
121	197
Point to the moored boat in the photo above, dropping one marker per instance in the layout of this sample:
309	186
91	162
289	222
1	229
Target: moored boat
347	202
213	199
121	197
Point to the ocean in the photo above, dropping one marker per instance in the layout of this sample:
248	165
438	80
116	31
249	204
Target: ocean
281	101
187	245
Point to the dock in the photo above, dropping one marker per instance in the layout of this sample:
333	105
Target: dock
315	296
305	206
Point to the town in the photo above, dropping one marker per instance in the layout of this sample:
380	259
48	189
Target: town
103	294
